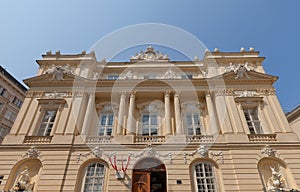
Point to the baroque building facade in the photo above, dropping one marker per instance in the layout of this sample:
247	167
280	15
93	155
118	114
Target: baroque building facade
151	124
12	94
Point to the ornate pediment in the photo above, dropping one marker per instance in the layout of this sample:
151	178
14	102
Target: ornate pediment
52	77
244	74
149	55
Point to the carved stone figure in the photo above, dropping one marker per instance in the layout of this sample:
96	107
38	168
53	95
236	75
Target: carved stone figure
242	72
24	181
276	181
149	55
169	74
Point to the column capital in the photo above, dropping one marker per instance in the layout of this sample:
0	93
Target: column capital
132	94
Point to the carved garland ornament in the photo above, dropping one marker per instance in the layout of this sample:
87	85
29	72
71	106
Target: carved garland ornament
203	152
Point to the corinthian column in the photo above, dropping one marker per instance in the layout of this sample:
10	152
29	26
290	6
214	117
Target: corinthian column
121	114
130	121
88	114
167	113
179	130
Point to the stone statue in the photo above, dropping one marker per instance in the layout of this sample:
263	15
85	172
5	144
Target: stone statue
276	181
24	182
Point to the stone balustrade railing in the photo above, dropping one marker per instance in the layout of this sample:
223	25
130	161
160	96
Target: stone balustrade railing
149	139
37	139
262	137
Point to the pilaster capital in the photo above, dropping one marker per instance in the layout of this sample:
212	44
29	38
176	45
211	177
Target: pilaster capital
167	93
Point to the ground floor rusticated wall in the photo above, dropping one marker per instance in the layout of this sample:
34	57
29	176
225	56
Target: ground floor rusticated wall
236	167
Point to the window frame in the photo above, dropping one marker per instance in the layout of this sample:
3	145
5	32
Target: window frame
49	105
50	121
251	102
149	127
106	126
253	122
194	126
213	176
193	108
103	176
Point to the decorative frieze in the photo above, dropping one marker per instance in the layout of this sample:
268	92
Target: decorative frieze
270	91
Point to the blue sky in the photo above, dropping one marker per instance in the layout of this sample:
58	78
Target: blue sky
30	28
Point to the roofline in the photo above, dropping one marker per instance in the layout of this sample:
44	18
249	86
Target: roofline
13	79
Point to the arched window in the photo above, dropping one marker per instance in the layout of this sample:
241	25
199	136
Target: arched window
204	177
93	180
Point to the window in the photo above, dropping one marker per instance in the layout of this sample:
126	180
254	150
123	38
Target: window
204	177
2	91
149	124
17	102
187	76
94	178
253	121
47	123
193	124
3	132
1	106
10	116
112	76
106	124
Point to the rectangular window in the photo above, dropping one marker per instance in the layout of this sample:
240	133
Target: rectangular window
10	116
112	76
149	124
187	76
106	124
253	121
193	124
47	123
3	132
2	91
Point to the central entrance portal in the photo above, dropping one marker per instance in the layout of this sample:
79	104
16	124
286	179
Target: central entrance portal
149	175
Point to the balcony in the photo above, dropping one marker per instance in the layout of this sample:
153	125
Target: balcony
37	139
262	137
200	138
149	139
99	139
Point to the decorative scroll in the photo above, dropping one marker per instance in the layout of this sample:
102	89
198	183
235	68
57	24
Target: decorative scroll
203	152
150	55
149	151
267	150
32	152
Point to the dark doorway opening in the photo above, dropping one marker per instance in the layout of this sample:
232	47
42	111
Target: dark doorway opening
149	175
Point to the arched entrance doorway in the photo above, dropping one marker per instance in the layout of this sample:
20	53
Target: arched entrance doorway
149	175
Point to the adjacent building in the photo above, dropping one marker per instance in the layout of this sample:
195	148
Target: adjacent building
294	119
151	124
12	94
